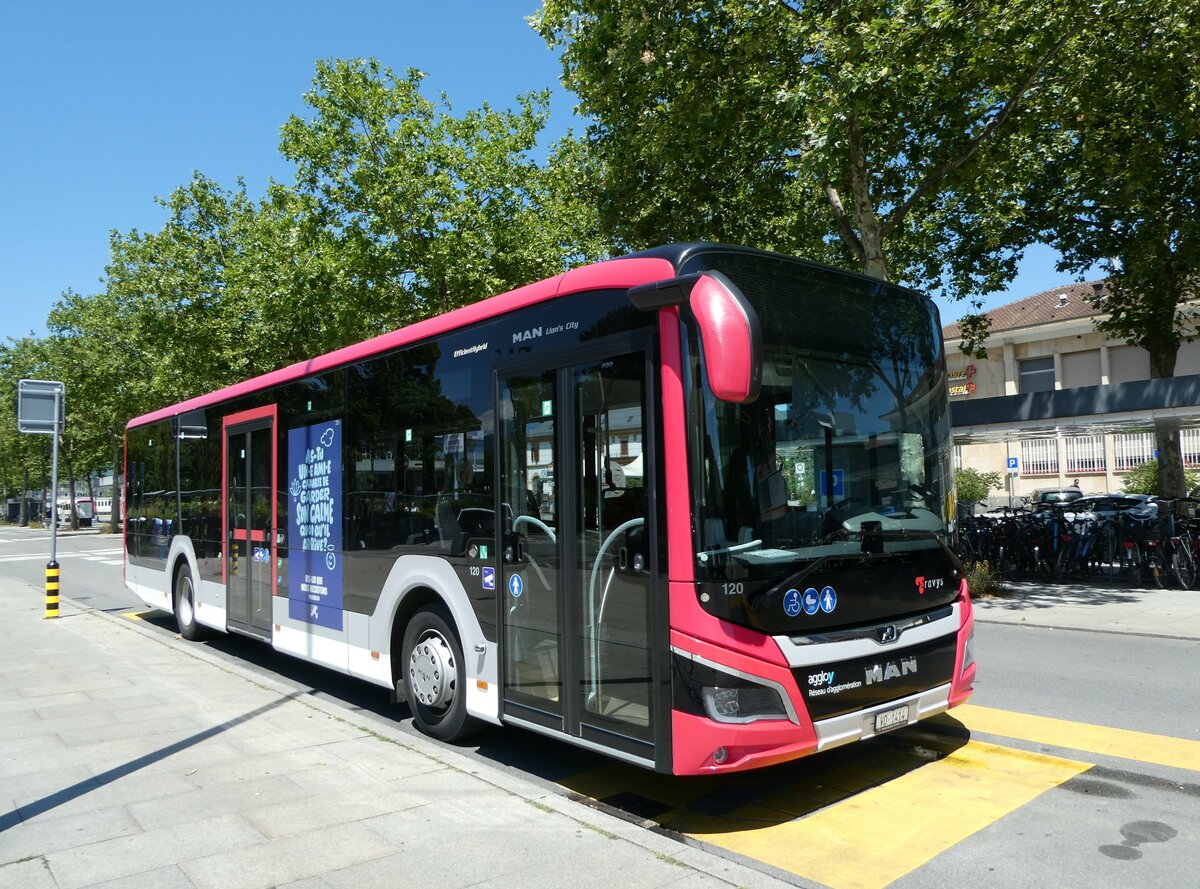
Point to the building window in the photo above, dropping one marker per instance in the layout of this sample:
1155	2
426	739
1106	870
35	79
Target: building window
1036	374
1085	453
1039	456
1127	364
1189	443
1081	369
1132	449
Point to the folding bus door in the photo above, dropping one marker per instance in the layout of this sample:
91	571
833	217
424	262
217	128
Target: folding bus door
579	568
250	521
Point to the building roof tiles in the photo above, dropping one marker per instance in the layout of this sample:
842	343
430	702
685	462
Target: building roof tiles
1063	303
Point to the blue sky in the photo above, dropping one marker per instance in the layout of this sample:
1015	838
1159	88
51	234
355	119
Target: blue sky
105	106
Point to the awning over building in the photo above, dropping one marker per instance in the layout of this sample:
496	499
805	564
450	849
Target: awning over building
1088	410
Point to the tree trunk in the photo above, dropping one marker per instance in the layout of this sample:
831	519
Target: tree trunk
870	230
115	518
25	498
1171	479
71	501
46	483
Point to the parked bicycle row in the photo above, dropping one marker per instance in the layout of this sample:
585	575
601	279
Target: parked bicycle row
1143	541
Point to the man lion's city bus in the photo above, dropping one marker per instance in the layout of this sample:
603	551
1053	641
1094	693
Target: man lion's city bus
688	507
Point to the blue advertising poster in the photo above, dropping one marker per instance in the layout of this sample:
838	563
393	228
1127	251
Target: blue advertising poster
315	524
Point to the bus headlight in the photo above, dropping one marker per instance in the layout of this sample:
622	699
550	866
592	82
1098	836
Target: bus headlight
724	695
743	704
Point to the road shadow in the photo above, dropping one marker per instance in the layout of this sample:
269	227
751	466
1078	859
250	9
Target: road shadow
677	805
1026	595
747	801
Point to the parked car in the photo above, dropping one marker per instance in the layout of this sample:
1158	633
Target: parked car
1054	495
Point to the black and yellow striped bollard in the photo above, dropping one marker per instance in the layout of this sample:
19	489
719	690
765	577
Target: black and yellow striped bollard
51	589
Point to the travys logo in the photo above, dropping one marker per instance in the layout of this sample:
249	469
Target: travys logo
924	584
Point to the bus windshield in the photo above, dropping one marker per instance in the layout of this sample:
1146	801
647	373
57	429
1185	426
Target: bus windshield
845	454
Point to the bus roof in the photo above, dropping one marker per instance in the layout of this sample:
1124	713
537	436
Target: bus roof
623	272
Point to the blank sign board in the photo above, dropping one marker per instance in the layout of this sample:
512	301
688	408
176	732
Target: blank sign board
36	403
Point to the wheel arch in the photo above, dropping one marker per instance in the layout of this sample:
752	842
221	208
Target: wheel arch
414	582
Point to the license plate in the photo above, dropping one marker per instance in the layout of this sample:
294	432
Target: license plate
891	719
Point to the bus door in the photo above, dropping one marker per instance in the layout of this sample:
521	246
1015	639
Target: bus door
578	588
249	520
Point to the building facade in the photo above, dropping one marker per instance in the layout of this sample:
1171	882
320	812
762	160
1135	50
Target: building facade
1048	342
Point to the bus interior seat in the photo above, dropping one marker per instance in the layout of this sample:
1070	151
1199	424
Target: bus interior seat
714	534
450	532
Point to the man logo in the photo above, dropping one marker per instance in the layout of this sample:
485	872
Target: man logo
522	336
887	633
884	672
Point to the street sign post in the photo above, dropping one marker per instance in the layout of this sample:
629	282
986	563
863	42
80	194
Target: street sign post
41	406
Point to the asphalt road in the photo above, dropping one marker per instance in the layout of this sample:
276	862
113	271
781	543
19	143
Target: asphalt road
1077	762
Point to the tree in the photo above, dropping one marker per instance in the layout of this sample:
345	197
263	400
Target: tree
1123	186
973	486
425	211
885	134
21	455
1144	479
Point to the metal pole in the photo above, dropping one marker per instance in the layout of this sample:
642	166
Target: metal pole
52	571
54	480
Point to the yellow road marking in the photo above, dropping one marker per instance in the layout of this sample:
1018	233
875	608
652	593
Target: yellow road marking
132	615
1159	749
908	820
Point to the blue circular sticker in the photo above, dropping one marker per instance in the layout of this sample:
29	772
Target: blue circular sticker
811	602
516	586
828	599
791	602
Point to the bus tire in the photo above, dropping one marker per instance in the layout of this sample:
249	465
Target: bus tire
185	605
435	675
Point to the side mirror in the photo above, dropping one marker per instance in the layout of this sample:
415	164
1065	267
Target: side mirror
729	329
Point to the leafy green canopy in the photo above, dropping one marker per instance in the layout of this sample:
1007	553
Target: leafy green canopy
399	210
887	134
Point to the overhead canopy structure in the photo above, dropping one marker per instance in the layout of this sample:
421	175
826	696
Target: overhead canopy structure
1088	410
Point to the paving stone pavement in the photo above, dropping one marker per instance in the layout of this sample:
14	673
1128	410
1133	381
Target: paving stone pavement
1105	607
131	759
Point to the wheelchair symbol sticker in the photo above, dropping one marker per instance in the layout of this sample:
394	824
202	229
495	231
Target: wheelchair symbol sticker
516	586
791	603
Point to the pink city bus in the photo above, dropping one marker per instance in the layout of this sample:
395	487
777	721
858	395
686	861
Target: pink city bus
689	507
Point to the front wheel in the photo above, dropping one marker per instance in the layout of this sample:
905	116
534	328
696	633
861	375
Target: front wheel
185	606
435	675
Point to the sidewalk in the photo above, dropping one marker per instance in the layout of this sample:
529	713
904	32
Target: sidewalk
1107	608
130	759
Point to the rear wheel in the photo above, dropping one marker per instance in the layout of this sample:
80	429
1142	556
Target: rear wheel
435	675
185	605
1108	552
1133	561
1155	570
1183	569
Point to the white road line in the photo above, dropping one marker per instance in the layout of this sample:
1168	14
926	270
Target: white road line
113	562
43	556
